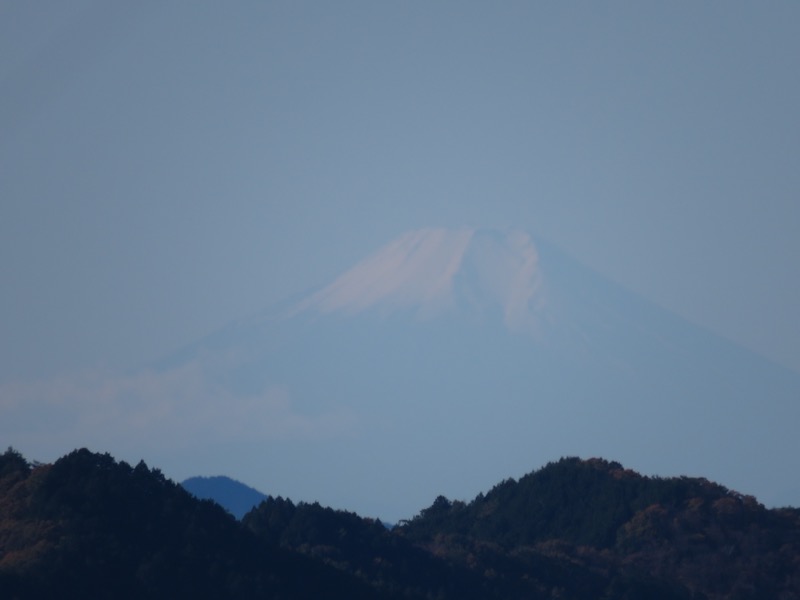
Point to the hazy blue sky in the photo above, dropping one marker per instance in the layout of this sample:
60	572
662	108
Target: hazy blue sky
165	167
168	167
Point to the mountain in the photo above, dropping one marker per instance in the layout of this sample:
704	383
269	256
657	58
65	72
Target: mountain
90	526
234	496
435	271
573	529
448	354
671	535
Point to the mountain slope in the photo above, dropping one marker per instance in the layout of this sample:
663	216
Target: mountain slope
434	271
716	543
90	527
448	353
234	496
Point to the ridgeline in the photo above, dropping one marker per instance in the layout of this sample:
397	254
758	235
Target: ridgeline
89	526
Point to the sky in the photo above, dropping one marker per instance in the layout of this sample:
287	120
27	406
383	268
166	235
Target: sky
166	168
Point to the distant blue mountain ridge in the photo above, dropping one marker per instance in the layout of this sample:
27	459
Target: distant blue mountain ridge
234	496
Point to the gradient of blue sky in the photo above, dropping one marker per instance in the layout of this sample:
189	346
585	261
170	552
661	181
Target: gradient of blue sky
168	167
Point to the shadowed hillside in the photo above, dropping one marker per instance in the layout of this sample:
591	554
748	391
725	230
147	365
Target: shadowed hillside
697	534
89	526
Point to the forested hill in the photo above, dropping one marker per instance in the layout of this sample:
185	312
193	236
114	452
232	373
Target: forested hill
89	526
712	541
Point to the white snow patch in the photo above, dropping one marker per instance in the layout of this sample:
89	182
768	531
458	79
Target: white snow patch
418	271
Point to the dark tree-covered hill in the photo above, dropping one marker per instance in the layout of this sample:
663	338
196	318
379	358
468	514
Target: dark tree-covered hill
407	563
88	526
698	535
364	548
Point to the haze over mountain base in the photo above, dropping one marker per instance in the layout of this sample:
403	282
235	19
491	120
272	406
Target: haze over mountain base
447	360
455	357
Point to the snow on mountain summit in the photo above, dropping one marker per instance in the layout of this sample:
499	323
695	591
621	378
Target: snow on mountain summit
430	271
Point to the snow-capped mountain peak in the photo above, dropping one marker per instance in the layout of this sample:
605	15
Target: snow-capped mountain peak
430	271
450	352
